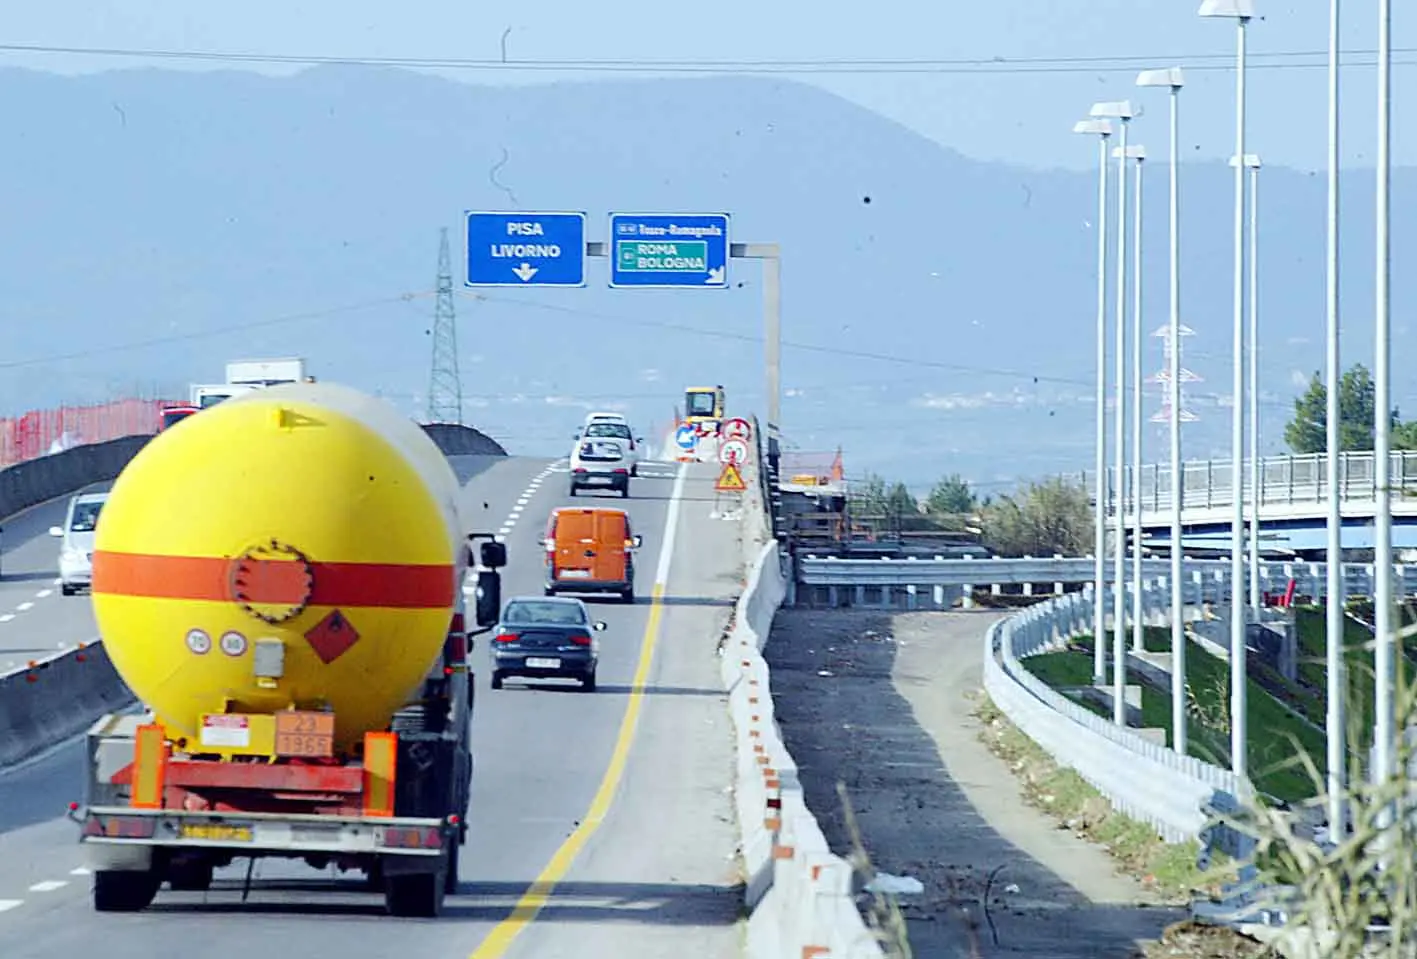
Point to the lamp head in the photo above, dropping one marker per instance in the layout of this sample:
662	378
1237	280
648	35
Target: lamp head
1170	77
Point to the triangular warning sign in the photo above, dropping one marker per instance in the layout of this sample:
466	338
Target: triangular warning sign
729	479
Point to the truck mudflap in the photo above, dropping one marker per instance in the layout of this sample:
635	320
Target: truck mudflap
256	834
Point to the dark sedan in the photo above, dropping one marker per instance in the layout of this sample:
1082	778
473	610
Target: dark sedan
545	638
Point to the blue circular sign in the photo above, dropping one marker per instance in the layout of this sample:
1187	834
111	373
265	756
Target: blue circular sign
685	437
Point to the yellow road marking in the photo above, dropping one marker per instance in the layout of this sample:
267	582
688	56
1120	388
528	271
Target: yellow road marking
538	894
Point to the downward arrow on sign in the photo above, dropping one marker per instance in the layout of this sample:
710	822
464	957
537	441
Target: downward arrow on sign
526	271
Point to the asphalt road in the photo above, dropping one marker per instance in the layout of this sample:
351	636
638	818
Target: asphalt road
652	871
36	619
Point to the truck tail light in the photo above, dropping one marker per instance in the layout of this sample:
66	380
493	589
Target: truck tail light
412	837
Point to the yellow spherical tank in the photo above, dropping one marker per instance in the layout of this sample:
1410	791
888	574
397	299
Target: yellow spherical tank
296	546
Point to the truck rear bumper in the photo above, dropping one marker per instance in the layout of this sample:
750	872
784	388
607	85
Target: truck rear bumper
113	835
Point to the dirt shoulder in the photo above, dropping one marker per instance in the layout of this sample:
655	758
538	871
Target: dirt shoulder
885	704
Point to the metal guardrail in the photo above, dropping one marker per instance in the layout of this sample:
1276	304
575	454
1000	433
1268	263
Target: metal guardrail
1284	481
1142	779
893	583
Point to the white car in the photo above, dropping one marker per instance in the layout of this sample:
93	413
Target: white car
76	541
618	430
600	462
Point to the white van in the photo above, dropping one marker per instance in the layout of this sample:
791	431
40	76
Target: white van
76	541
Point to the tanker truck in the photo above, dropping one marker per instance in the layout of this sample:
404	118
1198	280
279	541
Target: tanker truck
296	638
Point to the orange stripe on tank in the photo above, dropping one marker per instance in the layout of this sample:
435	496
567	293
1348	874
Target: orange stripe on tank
398	586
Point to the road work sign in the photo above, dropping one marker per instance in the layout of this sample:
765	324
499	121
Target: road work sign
730	479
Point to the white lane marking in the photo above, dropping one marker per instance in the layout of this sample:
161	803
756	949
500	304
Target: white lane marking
671	527
5	618
49	885
7	904
504	531
43	593
24	607
80	871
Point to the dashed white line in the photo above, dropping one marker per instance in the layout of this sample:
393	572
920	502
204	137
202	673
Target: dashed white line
6	617
80	871
7	904
24	607
49	885
43	593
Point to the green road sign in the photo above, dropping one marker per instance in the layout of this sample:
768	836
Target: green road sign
661	256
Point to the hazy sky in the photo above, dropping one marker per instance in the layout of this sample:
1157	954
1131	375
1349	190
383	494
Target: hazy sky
1019	111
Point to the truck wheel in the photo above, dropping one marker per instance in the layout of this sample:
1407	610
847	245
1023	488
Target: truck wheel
189	876
628	595
418	896
625	491
573	489
66	589
124	891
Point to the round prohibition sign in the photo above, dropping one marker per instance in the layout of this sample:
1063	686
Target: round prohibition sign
737	429
733	451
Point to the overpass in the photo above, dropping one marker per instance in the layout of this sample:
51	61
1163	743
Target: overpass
1292	501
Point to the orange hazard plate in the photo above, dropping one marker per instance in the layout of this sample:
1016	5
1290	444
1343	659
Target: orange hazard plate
306	734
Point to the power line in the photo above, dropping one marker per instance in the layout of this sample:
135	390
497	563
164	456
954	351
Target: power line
1273	60
203	334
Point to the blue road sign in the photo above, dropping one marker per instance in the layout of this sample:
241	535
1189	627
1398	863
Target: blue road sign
525	249
674	250
686	436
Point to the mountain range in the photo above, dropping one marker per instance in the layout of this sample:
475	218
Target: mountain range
938	312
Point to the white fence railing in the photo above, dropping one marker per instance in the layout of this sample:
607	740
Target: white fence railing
1284	481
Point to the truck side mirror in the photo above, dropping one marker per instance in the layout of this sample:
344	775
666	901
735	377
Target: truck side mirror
493	554
639	540
489	597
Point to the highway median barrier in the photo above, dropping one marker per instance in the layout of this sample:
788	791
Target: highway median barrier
797	892
47	701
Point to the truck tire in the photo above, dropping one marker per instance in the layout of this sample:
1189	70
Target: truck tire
115	891
416	896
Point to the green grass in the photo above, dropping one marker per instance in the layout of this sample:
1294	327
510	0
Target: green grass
1271	726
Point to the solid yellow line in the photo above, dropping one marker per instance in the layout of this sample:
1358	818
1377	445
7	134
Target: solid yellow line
538	894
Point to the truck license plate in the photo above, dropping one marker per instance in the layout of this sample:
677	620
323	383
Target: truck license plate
217	832
575	573
535	663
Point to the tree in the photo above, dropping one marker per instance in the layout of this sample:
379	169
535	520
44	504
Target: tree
951	495
1307	432
1054	516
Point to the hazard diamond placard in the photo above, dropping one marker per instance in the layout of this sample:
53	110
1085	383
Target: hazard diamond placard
730	480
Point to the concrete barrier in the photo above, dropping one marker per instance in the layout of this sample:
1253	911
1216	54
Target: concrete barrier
52	699
798	893
39	480
457	440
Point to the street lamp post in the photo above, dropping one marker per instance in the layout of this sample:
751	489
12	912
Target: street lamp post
1384	654
1124	111
1138	154
1337	685
1175	80
1252	163
1102	129
1241	11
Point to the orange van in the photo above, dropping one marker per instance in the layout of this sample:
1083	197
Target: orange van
591	550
